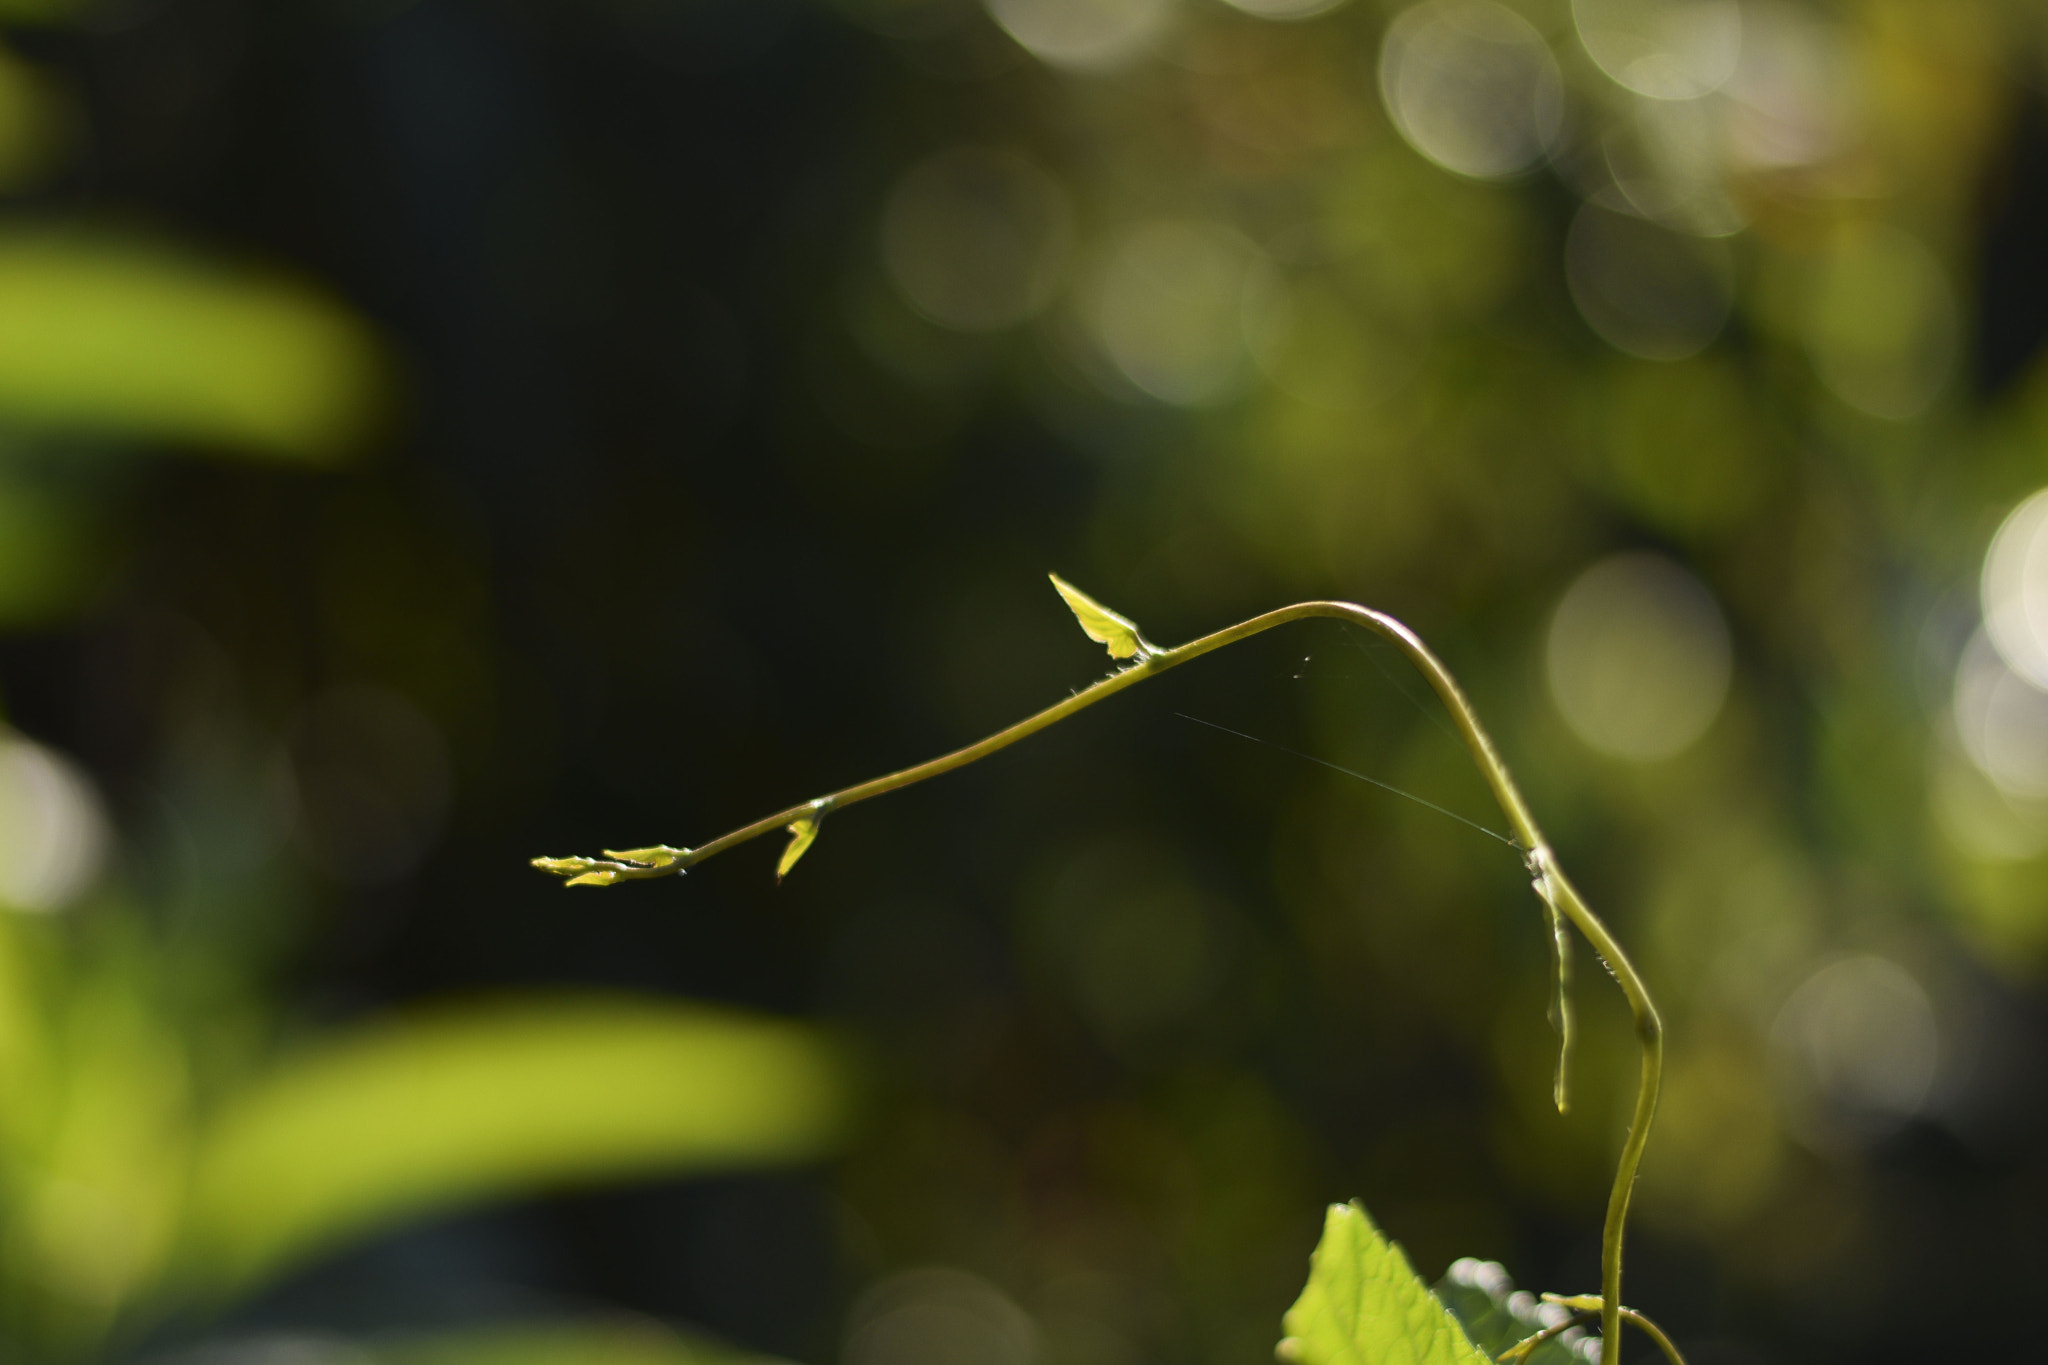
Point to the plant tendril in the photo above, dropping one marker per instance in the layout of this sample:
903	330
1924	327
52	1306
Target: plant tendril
1561	898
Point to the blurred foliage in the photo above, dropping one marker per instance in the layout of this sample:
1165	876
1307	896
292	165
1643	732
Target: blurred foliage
144	1150
1496	1315
601	423
150	1157
625	1344
494	1099
108	337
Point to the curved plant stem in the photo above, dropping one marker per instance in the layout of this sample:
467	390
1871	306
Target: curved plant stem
1550	882
1526	1347
1656	1334
1593	1303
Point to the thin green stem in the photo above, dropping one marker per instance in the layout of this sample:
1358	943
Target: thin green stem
1550	882
1655	1334
1593	1303
1528	1345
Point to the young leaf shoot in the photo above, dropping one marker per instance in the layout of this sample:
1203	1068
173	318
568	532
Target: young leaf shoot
802	833
1118	633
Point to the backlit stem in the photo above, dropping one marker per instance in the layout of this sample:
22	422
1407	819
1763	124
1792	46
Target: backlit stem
1551	883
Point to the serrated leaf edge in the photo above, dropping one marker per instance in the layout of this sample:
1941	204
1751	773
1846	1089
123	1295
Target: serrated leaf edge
1350	1233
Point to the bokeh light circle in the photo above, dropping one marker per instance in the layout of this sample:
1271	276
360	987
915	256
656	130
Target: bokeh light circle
975	239
939	1316
53	834
1789	103
1857	1045
1664	49
1979	817
1083	35
2013	589
2002	720
1645	289
1638	657
1671	170
1174	307
1287	9
1472	86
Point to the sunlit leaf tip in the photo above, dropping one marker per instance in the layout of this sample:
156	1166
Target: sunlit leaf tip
579	871
1364	1305
1119	634
633	864
660	855
802	833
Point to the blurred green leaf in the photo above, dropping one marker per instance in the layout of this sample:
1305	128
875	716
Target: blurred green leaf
107	1142
1364	1305
802	834
28	1066
609	1343
1481	1296
105	335
1105	627
468	1103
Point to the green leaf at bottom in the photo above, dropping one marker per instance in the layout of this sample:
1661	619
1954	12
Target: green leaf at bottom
1364	1305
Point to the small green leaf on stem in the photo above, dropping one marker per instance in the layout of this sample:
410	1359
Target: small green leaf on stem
660	855
633	865
1118	633
1561	1006
1560	976
802	833
579	871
